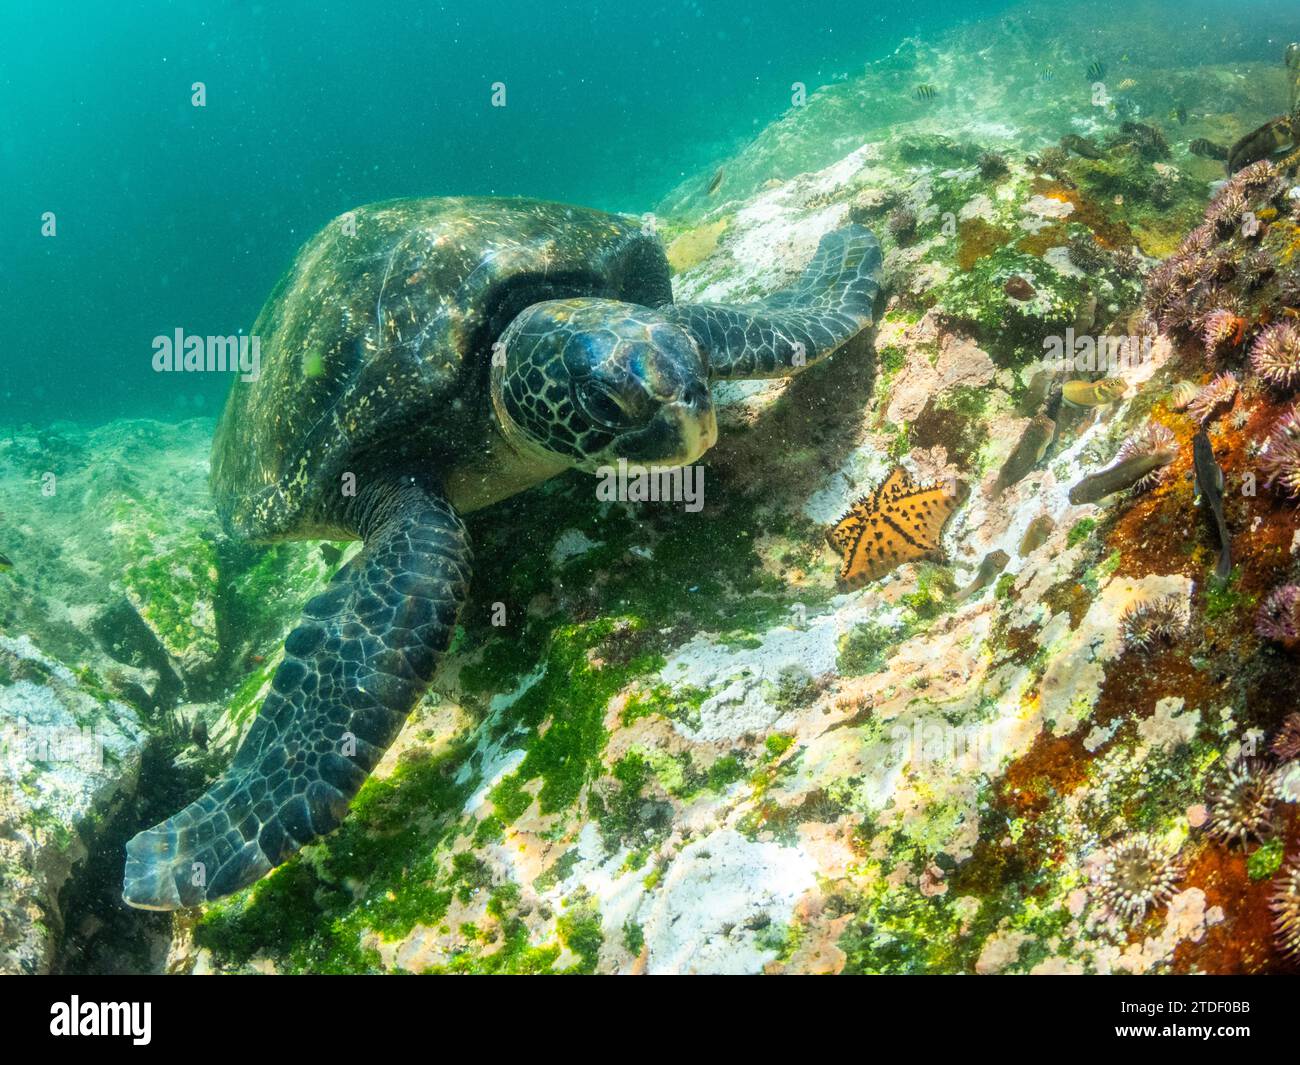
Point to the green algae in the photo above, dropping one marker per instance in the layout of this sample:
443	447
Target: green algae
175	593
571	697
866	648
1012	333
1267	860
1080	531
580	930
633	937
380	871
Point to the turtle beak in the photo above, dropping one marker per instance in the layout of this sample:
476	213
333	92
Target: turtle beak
681	431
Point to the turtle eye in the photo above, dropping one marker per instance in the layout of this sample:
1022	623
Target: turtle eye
598	402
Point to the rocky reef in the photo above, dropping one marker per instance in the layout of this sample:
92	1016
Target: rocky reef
666	741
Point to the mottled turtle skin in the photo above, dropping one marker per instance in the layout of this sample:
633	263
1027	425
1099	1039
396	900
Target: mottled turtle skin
422	359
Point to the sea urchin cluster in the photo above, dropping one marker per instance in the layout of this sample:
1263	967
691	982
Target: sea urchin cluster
1136	874
1241	807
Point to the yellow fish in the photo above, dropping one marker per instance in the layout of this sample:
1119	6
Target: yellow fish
897	522
1093	393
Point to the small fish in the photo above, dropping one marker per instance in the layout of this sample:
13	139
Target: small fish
1126	84
715	182
1178	114
994	563
1080	393
926	92
1019	288
1120	476
199	733
1277	135
1028	452
1096	70
1081	146
1208	149
1209	489
1036	535
330	553
5	564
1046	74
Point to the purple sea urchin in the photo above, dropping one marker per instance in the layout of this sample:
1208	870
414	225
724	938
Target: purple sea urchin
901	224
1241	807
1226	209
992	165
1278	617
1152	437
1152	621
1128	263
1280	459
1214	397
1256	267
1285	904
1223	329
1286	741
1275	355
1136	874
1256	176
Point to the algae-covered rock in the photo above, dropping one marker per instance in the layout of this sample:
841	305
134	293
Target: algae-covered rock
69	756
175	594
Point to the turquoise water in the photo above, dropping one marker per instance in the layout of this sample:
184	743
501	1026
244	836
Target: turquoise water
170	215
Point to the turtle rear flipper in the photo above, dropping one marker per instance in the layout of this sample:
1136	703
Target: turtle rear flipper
833	300
354	667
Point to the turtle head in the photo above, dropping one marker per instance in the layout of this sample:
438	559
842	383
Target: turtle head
593	381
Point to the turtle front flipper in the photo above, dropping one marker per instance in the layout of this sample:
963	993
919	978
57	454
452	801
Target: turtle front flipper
363	653
832	302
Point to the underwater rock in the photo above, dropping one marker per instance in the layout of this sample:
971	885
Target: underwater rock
71	755
174	594
693	247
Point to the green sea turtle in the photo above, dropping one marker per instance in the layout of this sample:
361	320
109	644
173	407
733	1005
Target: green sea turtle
422	359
